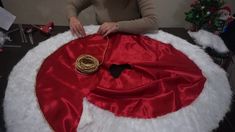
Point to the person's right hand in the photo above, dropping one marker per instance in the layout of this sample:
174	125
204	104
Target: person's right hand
76	27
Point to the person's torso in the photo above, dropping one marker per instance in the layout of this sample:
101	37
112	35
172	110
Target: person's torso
116	10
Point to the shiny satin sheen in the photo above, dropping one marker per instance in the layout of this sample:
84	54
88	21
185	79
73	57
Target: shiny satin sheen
161	80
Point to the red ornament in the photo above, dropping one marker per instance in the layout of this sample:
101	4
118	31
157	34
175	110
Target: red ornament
209	22
213	10
194	2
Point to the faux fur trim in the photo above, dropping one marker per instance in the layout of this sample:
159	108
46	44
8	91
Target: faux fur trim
207	39
22	112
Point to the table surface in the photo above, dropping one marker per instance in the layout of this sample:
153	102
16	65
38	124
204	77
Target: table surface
10	56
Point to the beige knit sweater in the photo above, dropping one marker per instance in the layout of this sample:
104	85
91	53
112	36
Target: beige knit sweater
132	16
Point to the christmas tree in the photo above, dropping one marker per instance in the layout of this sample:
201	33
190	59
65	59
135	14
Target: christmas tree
204	14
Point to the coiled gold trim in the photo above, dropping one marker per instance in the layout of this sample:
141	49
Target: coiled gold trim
87	64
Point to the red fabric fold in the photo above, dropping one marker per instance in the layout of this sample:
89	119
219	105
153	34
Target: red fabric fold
161	80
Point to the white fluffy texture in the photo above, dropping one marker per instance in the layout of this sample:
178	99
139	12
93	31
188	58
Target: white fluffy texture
207	39
3	38
22	112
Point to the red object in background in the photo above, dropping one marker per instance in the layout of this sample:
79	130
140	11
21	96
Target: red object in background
161	80
45	28
1	50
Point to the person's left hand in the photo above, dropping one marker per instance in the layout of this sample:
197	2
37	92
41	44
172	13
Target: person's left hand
107	28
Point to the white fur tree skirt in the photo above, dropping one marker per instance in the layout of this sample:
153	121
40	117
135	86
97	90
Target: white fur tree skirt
22	113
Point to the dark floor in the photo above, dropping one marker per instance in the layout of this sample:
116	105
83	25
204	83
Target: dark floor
10	56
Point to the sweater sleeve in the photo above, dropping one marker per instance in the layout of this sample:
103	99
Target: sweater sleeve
74	7
147	22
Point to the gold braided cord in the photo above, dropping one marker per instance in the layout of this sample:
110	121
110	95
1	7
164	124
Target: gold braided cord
89	64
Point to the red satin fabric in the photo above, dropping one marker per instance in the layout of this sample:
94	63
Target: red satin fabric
161	80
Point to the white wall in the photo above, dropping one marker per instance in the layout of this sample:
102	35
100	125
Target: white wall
170	12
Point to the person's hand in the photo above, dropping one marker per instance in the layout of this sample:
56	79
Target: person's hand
76	27
107	28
